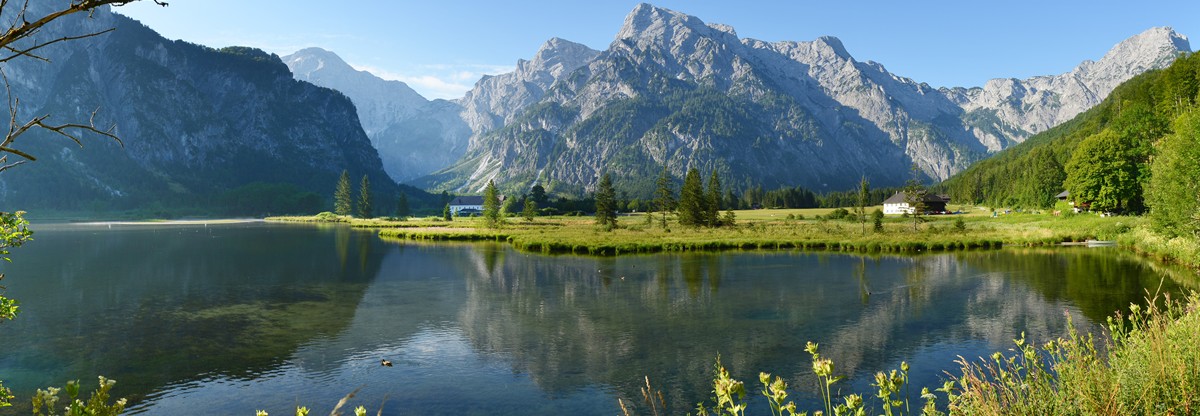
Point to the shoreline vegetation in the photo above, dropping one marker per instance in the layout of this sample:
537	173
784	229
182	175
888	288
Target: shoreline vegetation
1148	361
789	229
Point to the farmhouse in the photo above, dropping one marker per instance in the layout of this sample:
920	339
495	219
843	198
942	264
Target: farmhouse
1065	196
466	205
896	205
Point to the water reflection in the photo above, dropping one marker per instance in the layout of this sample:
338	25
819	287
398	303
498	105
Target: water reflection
239	318
159	305
573	322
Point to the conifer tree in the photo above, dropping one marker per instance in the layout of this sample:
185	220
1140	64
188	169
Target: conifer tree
446	213
491	205
402	210
864	192
914	196
364	199
606	204
712	201
691	200
530	210
341	196
538	194
664	196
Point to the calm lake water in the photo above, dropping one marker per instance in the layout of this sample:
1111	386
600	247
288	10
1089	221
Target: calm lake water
227	319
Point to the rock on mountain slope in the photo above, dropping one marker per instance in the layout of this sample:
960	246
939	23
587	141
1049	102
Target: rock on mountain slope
496	100
414	136
674	92
1027	107
195	122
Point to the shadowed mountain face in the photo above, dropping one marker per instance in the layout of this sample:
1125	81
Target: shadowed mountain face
195	123
414	136
672	91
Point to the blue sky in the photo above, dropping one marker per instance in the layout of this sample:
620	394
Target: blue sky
440	48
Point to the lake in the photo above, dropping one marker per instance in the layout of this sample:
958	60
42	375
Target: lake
231	318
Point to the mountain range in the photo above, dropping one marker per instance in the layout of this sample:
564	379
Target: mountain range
674	92
238	130
202	129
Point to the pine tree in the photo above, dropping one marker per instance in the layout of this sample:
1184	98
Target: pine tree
864	192
664	196
364	199
341	196
491	205
446	213
538	194
530	210
914	196
712	201
402	210
606	204
691	200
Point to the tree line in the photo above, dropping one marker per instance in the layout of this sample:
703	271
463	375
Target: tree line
1135	153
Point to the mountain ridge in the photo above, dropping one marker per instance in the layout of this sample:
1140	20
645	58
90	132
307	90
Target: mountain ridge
414	136
840	118
857	112
197	125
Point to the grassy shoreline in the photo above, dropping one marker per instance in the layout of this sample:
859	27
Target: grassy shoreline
1147	363
794	229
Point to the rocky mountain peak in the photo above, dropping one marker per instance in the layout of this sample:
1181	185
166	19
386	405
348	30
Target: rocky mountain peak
396	118
749	107
557	56
1150	49
834	44
647	23
305	62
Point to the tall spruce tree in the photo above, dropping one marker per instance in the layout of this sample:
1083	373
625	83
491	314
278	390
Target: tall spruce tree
402	209
364	199
712	201
664	196
538	195
341	196
606	203
529	210
691	200
491	205
864	193
914	196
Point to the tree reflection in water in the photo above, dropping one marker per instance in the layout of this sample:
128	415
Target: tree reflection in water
572	322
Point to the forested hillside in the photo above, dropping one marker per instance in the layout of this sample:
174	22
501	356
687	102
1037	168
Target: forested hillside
1133	153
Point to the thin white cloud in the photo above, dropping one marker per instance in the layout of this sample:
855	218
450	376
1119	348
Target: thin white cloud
439	81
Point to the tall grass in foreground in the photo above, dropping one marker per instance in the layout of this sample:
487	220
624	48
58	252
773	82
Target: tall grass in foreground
1152	366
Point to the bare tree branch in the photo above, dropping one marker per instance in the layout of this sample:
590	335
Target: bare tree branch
27	51
22	29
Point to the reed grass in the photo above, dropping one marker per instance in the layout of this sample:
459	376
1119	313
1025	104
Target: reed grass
757	230
1150	364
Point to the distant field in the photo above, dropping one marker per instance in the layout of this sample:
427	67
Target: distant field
761	229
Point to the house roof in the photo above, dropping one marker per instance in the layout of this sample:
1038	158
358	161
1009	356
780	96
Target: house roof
899	198
471	200
1063	195
467	200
